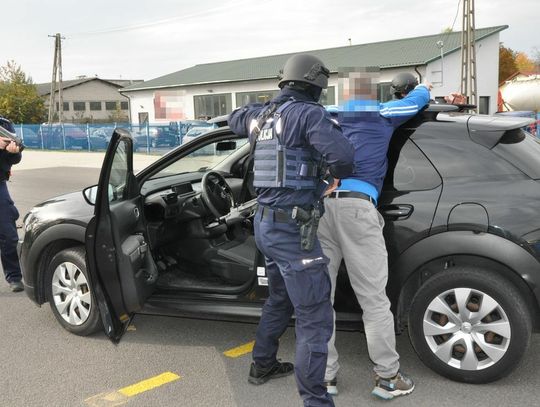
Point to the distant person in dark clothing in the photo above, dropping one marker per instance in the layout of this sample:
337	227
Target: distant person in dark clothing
9	155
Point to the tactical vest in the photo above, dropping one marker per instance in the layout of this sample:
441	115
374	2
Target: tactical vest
277	166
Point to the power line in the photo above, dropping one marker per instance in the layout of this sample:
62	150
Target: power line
138	26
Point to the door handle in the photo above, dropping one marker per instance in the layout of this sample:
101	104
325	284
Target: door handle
396	211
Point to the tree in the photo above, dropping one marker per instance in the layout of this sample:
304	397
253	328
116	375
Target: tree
507	62
524	63
19	100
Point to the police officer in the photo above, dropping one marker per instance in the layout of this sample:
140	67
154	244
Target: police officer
293	136
9	155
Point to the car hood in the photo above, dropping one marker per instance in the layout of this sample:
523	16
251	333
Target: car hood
70	207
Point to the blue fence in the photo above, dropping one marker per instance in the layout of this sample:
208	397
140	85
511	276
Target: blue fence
96	137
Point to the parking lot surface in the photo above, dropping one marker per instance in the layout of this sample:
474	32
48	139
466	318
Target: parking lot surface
164	361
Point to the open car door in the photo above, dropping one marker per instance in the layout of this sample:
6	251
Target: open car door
121	267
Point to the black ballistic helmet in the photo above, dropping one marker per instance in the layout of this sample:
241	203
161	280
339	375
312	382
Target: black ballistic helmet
6	124
304	68
403	83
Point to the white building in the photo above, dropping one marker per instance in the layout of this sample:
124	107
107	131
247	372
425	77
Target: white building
89	100
218	88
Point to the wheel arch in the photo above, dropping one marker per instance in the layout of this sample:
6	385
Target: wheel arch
443	251
46	246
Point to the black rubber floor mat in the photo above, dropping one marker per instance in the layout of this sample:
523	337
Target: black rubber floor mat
180	280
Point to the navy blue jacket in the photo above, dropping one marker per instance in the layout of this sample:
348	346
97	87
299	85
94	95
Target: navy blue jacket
6	161
369	126
304	125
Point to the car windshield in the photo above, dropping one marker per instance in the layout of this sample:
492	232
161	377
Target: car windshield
521	149
204	158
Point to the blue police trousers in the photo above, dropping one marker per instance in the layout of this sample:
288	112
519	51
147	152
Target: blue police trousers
297	281
8	236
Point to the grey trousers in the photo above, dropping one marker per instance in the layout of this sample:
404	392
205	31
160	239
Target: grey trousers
351	229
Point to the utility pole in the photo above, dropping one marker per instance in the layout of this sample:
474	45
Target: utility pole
57	71
468	54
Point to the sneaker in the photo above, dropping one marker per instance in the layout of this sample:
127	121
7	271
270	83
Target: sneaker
16	286
331	387
387	389
259	375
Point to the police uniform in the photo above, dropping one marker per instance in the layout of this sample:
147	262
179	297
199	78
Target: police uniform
8	216
289	148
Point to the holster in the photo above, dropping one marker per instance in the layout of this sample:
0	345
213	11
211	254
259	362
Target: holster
308	222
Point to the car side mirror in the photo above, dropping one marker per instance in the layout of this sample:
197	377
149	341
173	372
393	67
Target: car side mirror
90	194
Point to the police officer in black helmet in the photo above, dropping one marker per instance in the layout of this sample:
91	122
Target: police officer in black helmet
9	155
296	144
402	84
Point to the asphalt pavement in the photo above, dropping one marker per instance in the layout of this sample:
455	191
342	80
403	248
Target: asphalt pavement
184	362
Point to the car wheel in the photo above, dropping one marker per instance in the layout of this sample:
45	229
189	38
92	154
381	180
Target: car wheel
469	325
70	294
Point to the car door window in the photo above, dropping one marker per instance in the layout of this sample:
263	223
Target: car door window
408	168
119	173
204	158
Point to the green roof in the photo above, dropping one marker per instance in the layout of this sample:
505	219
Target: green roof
385	54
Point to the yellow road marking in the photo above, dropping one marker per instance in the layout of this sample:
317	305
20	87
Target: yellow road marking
240	350
149	384
120	397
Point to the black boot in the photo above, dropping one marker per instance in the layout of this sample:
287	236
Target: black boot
260	375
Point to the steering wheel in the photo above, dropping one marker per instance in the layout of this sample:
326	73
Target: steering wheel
216	194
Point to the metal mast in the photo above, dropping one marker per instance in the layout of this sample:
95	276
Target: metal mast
468	54
57	71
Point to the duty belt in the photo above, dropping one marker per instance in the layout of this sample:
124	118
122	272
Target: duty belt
277	215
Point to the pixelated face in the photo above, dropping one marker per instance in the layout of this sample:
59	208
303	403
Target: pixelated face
358	83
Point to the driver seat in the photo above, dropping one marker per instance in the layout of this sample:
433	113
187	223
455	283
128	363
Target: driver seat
234	260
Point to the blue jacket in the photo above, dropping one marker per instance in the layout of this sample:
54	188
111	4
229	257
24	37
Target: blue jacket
304	125
369	126
6	161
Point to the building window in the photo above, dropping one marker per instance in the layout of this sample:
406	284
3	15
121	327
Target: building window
65	106
95	105
212	105
124	105
110	105
243	98
328	96
483	105
79	106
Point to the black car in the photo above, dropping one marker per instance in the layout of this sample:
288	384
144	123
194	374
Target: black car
460	203
154	136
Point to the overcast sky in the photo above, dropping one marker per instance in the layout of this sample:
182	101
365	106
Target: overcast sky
136	39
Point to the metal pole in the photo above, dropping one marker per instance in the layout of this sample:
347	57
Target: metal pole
61	98
88	135
53	81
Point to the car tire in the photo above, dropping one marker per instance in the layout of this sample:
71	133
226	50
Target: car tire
70	294
453	337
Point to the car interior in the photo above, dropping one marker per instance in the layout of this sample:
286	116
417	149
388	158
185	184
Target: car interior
201	239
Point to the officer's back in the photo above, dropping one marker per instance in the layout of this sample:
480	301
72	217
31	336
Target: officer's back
303	123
